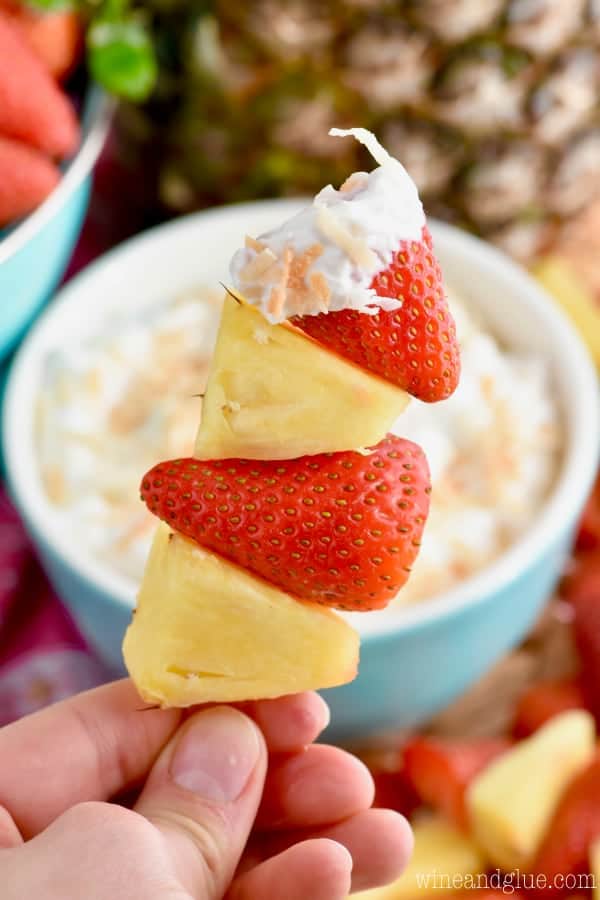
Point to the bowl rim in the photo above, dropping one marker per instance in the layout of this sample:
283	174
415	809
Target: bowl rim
97	113
560	510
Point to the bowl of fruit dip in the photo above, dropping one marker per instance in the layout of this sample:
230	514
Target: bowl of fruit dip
72	462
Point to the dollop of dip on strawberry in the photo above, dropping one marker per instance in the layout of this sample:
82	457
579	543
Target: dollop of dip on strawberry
326	257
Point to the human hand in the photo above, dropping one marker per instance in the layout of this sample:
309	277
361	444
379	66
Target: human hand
227	804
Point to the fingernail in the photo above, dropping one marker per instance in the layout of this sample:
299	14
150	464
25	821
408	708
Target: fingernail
325	712
216	754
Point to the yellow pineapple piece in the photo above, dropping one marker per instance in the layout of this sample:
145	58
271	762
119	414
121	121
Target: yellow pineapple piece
274	393
562	281
444	860
512	801
206	630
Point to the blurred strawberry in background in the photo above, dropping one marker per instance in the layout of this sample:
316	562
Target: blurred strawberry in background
441	770
588	537
544	700
38	123
56	37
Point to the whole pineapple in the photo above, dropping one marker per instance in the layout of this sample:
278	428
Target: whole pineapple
492	105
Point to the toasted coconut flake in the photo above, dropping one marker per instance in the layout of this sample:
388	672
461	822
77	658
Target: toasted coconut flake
320	288
278	293
276	301
252	244
301	263
55	484
355	247
299	293
257	266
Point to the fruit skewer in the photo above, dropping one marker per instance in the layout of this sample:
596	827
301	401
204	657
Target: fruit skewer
297	500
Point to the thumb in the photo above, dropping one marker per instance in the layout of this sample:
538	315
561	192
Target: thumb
202	795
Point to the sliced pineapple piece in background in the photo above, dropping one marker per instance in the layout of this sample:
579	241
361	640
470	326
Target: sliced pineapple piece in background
207	631
562	281
512	801
444	859
273	393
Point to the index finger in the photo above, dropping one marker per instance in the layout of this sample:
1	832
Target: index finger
101	743
89	747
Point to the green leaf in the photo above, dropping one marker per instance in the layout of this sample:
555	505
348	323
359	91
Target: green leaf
113	10
52	5
121	58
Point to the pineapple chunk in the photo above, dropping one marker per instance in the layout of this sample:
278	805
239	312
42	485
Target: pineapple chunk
208	631
274	393
444	860
512	801
563	282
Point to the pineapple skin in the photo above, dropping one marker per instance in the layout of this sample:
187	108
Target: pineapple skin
270	385
450	86
206	631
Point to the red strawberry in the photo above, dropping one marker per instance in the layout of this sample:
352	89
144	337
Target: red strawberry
393	790
55	37
588	537
26	178
441	770
583	590
583	579
32	108
414	347
574	827
543	701
341	529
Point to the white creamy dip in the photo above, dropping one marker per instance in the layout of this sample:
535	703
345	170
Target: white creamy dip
114	405
125	399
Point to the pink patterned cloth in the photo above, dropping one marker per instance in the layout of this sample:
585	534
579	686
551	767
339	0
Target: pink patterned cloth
43	656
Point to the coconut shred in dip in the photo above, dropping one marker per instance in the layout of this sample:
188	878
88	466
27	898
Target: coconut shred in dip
325	257
493	450
109	408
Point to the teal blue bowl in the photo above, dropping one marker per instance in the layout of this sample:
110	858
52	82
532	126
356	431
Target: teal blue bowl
35	253
419	659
